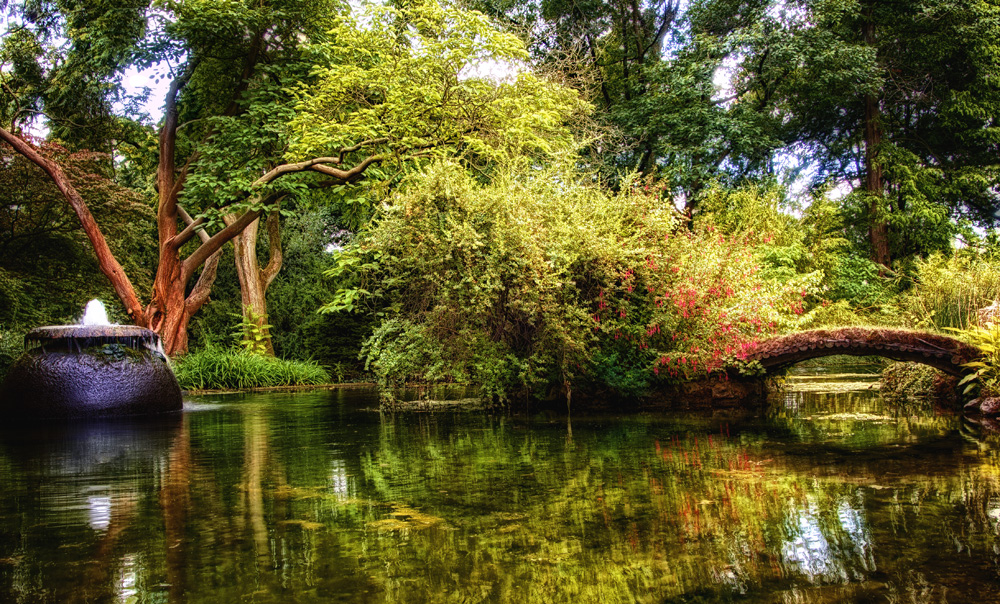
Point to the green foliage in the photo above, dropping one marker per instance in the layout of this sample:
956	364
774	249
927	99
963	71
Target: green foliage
11	347
541	282
812	65
949	290
47	268
752	212
252	333
902	382
213	368
985	372
850	289
402	80
491	284
857	280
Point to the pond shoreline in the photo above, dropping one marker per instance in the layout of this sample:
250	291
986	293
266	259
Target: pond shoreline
699	394
296	388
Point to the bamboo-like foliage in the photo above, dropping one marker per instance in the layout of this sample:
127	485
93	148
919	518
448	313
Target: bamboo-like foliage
215	368
951	290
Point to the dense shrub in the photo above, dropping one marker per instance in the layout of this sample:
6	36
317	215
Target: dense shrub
217	368
909	381
542	282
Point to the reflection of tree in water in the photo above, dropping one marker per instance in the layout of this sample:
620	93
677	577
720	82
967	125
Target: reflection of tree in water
598	518
835	547
289	505
78	503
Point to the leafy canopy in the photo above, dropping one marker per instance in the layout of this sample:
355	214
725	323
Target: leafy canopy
407	77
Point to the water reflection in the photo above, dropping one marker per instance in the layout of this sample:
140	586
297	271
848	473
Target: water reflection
828	552
70	501
311	497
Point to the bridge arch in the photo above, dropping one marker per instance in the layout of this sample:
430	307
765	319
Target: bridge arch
940	352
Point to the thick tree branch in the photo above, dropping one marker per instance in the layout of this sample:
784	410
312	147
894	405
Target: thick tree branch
274	258
291	168
215	242
166	215
203	287
105	258
195	227
190	264
192	224
351	175
319	164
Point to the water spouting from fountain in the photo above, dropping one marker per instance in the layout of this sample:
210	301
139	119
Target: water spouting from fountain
93	369
95	314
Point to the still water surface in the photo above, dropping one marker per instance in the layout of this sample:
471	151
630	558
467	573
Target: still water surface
830	495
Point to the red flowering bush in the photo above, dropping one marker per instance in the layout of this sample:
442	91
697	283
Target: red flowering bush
544	282
698	304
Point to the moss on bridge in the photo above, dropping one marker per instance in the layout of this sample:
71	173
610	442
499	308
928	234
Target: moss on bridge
939	351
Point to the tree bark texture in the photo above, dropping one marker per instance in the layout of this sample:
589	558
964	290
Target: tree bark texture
105	259
878	231
254	280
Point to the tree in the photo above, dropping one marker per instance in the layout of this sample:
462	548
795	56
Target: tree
395	87
650	70
215	50
47	269
359	111
895	97
608	50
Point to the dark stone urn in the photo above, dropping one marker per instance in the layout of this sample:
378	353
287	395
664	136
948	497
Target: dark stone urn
77	371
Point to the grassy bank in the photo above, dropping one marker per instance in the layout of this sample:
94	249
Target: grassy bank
214	368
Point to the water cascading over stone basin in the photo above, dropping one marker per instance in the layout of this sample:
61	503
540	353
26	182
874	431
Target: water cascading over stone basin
89	371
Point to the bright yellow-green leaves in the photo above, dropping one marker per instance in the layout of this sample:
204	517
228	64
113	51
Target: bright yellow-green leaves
544	281
494	284
409	76
984	372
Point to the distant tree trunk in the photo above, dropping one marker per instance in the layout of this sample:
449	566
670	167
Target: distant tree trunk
254	281
879	228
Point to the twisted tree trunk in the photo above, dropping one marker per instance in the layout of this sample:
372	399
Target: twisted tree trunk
878	231
254	280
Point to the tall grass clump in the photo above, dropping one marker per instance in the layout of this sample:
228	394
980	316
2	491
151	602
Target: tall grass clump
214	368
950	290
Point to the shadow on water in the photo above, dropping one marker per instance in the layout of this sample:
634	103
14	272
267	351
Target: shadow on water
829	496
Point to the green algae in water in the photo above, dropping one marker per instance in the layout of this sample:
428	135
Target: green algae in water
829	497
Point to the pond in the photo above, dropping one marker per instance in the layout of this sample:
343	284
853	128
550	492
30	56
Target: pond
828	495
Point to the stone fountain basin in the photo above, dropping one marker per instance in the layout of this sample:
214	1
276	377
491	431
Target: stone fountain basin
79	371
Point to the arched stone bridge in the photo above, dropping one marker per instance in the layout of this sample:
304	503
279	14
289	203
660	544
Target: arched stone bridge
940	352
